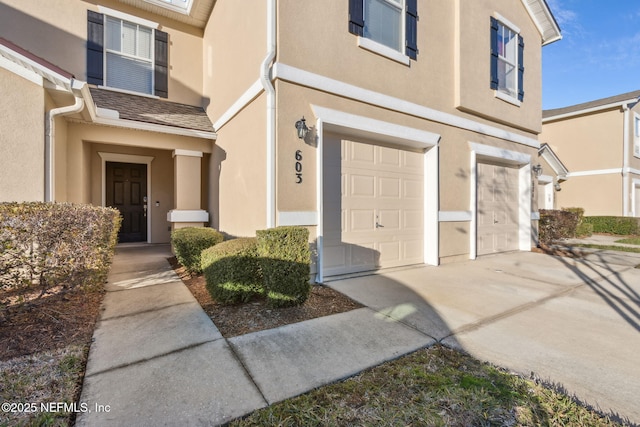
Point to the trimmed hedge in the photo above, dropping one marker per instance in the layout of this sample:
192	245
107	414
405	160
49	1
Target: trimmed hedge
555	225
44	245
189	242
232	270
582	228
614	224
285	259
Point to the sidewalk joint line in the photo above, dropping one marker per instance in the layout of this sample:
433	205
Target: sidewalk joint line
246	371
150	310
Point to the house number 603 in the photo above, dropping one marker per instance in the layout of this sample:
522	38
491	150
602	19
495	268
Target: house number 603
298	167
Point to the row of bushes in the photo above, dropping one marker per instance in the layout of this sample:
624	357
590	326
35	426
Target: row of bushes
44	245
614	224
275	263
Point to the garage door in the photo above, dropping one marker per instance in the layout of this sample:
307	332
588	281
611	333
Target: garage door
373	207
637	201
497	208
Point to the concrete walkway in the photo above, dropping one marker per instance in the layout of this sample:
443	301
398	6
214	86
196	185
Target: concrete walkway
157	359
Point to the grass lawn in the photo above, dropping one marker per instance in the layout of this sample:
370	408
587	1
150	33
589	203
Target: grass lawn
607	247
635	240
431	387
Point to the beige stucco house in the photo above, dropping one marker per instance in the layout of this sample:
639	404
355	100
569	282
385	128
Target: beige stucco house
421	119
599	142
551	174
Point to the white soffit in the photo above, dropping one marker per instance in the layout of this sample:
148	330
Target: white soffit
544	20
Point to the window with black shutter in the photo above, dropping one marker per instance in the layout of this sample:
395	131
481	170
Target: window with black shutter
391	23
126	55
507	60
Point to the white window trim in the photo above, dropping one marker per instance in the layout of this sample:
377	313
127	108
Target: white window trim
186	10
383	50
498	93
134	20
397	55
126	17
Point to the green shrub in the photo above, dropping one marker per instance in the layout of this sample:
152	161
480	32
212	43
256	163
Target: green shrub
285	259
232	270
614	224
582	228
44	245
555	225
188	243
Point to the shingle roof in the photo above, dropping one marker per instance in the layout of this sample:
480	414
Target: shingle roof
151	110
591	104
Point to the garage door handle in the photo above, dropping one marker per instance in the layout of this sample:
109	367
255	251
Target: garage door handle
378	225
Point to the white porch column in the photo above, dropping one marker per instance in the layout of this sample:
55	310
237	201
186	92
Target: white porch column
187	186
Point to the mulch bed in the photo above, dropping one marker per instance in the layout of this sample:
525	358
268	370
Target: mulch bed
256	315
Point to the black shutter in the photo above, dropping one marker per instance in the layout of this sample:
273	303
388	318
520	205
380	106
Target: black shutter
356	17
520	68
494	53
161	71
95	48
412	29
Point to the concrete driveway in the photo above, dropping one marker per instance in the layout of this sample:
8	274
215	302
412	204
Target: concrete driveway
575	323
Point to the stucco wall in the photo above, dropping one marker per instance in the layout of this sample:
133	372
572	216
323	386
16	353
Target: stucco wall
598	195
58	33
21	139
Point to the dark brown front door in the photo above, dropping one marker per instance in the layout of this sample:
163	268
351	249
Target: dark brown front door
127	191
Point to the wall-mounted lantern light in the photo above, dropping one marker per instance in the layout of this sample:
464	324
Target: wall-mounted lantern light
537	170
557	187
301	127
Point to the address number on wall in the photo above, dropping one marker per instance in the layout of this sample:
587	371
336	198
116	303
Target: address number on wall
298	167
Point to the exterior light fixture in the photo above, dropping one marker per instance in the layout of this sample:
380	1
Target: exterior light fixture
301	127
537	170
557	187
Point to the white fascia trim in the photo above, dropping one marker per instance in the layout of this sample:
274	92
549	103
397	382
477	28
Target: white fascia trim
552	159
545	179
302	218
509	156
131	124
595	172
455	216
23	72
618	104
186	10
188	153
548	17
305	78
245	99
402	135
28	64
383	50
180	215
126	17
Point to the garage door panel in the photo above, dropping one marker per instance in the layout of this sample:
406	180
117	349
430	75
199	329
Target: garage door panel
379	184
497	218
362	186
361	220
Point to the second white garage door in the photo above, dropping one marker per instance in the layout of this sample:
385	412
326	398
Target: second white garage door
497	208
373	207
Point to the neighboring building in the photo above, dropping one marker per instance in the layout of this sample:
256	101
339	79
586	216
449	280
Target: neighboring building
552	173
423	118
599	142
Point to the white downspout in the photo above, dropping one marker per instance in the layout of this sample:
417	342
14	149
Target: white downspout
625	162
49	144
265	78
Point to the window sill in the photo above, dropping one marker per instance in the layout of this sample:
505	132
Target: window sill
383	50
507	98
130	92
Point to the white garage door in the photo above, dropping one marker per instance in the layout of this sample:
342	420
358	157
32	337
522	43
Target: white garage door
637	201
497	208
373	207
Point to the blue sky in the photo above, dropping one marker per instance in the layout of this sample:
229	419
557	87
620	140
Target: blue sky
598	56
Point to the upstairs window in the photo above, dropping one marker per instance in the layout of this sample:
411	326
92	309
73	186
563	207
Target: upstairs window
636	136
126	55
129	56
507	68
391	23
